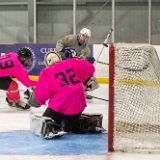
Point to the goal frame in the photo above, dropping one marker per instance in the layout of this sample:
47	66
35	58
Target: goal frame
111	99
134	91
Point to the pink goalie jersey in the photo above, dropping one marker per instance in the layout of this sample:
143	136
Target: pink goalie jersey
62	84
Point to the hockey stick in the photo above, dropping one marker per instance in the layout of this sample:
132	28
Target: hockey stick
104	45
103	63
99	98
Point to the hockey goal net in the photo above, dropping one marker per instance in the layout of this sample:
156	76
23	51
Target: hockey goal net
134	98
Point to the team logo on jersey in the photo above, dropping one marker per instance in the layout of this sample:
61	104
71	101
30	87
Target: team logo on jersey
32	61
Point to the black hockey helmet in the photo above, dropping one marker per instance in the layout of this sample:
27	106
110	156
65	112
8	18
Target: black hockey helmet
24	53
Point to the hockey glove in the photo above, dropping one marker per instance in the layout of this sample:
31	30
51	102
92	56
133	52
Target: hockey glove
28	92
69	52
90	59
32	100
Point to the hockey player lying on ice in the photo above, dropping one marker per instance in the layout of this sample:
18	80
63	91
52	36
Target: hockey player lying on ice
62	83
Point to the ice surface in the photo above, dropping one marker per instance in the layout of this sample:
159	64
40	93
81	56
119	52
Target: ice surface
12	120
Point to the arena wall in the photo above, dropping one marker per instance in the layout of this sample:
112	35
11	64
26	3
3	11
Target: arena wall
39	50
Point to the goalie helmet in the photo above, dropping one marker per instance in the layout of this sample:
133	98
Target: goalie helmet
51	58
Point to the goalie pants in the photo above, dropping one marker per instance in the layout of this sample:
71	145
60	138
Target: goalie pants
60	118
78	123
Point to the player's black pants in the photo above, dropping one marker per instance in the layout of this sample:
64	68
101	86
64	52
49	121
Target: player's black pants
5	82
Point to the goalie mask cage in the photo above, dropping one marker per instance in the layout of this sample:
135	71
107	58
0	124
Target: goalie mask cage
134	98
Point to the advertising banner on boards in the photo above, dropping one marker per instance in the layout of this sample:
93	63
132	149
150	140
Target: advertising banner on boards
38	51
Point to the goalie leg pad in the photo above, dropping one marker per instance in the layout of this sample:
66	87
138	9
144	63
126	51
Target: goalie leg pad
45	127
88	123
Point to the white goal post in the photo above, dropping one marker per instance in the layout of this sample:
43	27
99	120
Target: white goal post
134	98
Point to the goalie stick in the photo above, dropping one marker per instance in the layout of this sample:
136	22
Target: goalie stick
104	45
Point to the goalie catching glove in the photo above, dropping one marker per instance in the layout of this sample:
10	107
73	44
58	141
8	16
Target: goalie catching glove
88	84
91	84
29	95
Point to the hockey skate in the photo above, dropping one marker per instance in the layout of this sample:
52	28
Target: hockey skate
51	129
11	104
22	106
52	135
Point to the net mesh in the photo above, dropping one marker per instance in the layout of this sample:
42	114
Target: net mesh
137	98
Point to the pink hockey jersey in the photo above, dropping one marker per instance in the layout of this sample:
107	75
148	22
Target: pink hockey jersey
11	66
62	84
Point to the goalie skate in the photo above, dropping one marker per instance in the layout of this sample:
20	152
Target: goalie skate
56	135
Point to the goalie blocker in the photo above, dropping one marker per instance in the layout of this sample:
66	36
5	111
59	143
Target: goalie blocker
46	127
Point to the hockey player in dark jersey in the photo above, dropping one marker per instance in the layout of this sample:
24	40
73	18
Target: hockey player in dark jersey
80	44
77	42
